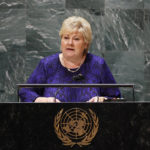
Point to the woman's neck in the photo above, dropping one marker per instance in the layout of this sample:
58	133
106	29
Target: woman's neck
71	63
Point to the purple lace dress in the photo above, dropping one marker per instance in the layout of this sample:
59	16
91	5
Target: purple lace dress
50	70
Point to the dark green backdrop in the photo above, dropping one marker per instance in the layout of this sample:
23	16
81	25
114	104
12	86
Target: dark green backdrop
121	32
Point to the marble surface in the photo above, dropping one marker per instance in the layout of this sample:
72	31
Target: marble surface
125	4
146	4
85	4
53	4
124	71
12	4
29	31
122	126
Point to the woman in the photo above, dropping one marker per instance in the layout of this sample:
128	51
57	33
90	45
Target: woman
73	65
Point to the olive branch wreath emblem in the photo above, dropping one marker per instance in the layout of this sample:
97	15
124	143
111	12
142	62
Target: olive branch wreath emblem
66	140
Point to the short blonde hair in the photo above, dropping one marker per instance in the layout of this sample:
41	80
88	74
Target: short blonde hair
79	24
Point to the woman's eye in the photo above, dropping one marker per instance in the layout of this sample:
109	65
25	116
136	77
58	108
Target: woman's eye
77	39
66	37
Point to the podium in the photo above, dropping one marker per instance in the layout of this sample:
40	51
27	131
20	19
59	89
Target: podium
121	126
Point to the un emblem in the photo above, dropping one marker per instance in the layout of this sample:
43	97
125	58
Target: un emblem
76	126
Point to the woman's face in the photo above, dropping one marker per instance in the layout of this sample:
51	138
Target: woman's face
73	45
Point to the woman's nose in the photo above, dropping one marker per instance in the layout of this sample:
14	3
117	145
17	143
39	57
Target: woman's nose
70	41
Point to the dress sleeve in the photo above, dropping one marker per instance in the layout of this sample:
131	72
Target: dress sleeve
38	76
107	78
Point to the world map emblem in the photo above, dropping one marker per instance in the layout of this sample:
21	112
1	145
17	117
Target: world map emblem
76	126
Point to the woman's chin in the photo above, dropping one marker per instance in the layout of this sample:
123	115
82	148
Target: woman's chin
69	54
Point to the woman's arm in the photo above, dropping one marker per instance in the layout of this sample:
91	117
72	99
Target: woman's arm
37	77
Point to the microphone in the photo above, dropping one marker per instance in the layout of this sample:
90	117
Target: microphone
78	77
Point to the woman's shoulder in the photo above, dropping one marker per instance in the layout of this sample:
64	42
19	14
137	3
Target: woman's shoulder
95	58
50	59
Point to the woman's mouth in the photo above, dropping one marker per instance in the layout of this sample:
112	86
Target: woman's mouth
70	49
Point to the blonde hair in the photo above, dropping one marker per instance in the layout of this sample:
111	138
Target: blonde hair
79	24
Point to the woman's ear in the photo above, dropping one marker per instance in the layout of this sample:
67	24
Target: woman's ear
85	51
86	46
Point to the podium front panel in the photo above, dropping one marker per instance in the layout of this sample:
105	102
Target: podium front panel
73	126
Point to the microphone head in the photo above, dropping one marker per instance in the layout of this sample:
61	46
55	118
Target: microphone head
78	77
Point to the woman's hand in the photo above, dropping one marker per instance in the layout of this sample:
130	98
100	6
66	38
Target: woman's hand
97	99
46	100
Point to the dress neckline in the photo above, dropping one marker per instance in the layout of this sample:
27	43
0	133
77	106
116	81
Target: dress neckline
73	68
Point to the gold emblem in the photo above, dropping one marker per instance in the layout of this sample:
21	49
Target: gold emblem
76	126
